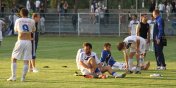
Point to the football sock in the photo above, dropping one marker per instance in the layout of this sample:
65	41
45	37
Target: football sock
25	69
130	64
13	69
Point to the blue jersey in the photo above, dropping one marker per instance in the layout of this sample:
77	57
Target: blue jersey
107	58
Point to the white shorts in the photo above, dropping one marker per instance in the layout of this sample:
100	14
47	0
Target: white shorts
84	71
1	36
22	47
142	48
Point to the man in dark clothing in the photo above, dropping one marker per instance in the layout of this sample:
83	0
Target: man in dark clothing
152	6
158	34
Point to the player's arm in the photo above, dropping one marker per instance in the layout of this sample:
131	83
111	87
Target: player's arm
138	29
81	63
15	26
125	57
103	57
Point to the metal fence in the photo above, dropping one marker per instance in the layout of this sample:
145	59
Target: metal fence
81	24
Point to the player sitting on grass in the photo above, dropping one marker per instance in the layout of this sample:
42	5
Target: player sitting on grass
89	64
137	46
107	59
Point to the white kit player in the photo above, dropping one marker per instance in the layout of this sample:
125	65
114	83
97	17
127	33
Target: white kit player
137	46
1	27
133	25
151	22
23	47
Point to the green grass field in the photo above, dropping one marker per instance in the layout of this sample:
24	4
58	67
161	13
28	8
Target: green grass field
55	52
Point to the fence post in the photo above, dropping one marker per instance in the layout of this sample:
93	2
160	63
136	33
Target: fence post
119	24
78	24
59	24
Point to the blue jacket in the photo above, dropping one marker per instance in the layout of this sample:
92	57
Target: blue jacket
107	58
158	31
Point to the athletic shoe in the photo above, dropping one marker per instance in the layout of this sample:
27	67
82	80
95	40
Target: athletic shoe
158	67
22	79
162	68
89	76
35	70
129	72
121	75
137	72
12	79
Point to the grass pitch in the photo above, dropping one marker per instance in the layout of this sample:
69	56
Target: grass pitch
55	52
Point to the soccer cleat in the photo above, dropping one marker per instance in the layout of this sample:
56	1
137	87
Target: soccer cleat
35	70
22	79
121	76
137	72
12	79
129	72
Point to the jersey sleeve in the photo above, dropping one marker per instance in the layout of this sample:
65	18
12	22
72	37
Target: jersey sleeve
103	56
81	57
15	26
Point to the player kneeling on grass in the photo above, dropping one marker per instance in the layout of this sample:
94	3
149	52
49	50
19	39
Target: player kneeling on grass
24	26
89	64
137	46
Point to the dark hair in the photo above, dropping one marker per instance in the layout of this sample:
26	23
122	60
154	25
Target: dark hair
135	15
156	12
107	44
86	44
120	46
24	12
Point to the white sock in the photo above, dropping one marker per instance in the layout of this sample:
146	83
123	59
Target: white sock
25	69
13	69
130	64
115	74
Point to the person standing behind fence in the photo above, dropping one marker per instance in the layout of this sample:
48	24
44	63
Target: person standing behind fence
42	24
161	8
28	5
37	5
168	10
2	23
143	30
36	18
132	25
158	34
65	7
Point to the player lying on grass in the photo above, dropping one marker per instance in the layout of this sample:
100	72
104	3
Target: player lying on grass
107	59
89	64
137	46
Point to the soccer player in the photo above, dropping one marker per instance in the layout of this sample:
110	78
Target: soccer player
24	26
137	46
89	63
36	18
151	22
143	30
2	23
107	59
132	25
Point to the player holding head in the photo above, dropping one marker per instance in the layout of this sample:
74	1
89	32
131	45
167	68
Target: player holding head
36	18
24	26
137	46
89	63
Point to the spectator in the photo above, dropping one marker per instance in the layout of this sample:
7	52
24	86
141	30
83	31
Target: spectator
58	8
28	5
152	6
161	8
42	9
168	10
37	5
65	7
42	24
132	25
92	13
97	15
2	9
75	20
101	13
62	7
173	7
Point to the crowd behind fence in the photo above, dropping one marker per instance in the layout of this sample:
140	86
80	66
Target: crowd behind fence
80	24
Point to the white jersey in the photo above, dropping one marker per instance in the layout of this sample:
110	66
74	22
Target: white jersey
132	41
83	57
28	6
37	4
24	25
152	24
133	26
161	7
1	26
77	57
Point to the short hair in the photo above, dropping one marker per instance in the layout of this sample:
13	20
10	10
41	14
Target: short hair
107	44
86	44
156	12
120	46
24	12
134	15
143	14
34	15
